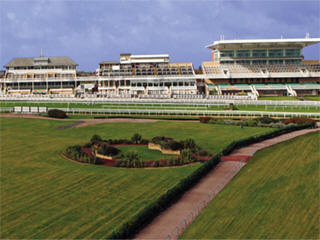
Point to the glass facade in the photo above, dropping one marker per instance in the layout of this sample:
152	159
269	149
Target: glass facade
243	53
243	62
276	61
227	53
259	52
259	62
275	52
292	52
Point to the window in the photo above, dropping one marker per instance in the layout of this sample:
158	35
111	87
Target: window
243	53
275	52
292	52
276	61
259	53
259	62
227	53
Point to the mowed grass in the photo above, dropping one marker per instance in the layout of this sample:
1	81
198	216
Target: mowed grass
279	98
43	195
145	154
275	196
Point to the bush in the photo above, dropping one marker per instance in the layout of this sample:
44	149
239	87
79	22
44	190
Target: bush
204	119
232	107
95	139
161	139
174	145
250	123
266	120
56	113
186	156
190	144
108	150
136	138
300	120
202	153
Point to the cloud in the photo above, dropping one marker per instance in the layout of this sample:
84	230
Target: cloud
91	31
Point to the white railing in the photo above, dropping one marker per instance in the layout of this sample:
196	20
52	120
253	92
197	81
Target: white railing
183	99
176	112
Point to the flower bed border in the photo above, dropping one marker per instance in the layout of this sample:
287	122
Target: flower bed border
147	164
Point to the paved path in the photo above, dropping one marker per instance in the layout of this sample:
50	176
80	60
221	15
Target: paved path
216	180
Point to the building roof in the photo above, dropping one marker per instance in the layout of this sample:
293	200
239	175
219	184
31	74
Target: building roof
47	61
299	42
150	56
109	62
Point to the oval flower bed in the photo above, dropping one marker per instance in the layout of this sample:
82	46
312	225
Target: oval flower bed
159	152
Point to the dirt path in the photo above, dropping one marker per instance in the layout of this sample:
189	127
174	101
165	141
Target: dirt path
80	122
169	222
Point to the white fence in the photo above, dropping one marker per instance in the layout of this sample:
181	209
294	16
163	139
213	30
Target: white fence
201	100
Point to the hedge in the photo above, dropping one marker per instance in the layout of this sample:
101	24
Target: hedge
56	113
129	229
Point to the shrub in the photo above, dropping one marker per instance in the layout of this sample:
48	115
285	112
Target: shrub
136	138
161	139
56	113
232	107
132	158
144	141
203	153
266	120
95	139
250	123
204	119
190	144
300	120
174	145
108	150
186	156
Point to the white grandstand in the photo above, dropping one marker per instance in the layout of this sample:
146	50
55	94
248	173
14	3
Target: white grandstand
262	67
239	69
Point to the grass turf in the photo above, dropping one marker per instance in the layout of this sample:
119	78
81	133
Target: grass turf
275	196
279	98
146	154
43	195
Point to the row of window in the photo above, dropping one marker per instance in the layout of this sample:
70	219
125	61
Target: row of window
42	67
289	52
275	61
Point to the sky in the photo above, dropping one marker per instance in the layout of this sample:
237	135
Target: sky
91	31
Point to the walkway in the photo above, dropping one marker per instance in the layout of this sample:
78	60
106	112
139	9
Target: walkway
169	222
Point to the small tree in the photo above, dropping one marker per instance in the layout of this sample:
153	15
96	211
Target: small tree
136	138
186	156
190	144
132	157
95	138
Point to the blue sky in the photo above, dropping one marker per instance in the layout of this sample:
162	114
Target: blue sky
96	30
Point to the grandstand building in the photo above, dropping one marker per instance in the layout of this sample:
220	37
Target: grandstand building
250	68
40	75
262	67
146	75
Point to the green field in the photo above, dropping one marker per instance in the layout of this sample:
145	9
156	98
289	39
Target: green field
313	98
275	196
43	195
146	154
279	98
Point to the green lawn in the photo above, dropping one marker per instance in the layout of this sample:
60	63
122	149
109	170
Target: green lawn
278	98
313	98
146	154
43	195
276	196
